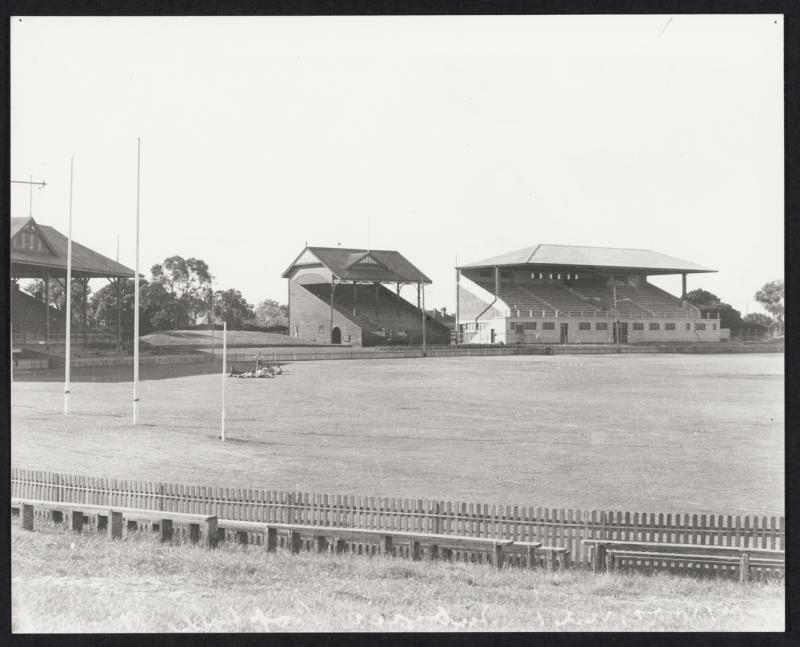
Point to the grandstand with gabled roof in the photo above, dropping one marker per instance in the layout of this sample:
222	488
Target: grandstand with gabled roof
565	294
337	295
40	252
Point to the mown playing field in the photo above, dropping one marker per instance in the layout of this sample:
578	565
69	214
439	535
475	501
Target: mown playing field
654	433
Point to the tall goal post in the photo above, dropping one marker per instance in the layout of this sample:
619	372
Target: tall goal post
136	290
68	295
224	371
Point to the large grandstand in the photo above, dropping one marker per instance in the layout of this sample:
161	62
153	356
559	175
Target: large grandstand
568	294
338	295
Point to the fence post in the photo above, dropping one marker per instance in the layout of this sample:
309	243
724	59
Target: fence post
115	527
498	555
385	546
165	528
272	539
744	568
27	516
294	541
530	556
211	532
76	520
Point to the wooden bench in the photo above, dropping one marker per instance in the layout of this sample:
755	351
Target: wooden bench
325	536
553	556
608	554
111	519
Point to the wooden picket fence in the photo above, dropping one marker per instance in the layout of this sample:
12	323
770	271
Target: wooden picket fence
550	526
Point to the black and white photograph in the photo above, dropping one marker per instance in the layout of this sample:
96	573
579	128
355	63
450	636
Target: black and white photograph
413	323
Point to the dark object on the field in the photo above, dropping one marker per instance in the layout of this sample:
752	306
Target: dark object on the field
268	371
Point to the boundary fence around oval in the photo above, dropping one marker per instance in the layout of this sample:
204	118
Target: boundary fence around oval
552	526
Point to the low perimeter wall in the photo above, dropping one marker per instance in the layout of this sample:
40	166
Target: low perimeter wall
551	526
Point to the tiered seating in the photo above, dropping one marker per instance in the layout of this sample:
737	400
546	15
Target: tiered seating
519	299
396	319
28	314
654	300
560	298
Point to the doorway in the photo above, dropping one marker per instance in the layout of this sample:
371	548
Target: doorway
336	336
621	332
564	333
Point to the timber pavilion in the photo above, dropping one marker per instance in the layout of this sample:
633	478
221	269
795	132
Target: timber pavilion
40	252
338	295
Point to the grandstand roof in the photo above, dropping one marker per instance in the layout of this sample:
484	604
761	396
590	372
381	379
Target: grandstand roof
30	262
379	265
593	257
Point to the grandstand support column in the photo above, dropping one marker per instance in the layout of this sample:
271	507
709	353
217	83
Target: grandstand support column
84	286
119	315
330	333
683	286
458	302
47	308
424	322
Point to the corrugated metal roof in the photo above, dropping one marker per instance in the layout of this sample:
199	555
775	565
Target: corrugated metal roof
84	260
343	262
575	255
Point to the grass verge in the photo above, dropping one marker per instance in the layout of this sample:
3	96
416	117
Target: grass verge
64	582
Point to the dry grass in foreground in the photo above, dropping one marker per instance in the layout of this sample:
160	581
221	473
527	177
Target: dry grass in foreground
63	582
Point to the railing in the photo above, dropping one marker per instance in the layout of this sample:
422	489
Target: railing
30	338
528	313
550	526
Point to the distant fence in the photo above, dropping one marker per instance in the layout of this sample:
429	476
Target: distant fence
550	526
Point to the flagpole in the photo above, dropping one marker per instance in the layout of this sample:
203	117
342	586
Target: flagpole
68	295
136	289
224	369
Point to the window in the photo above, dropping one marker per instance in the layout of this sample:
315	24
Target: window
601	325
485	273
530	325
548	325
505	275
518	328
541	276
653	326
551	276
576	277
584	325
699	326
669	326
638	326
559	277
688	326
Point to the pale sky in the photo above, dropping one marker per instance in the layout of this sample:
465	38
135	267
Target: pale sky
436	136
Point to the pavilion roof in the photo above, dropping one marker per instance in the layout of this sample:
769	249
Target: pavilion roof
29	263
348	264
617	258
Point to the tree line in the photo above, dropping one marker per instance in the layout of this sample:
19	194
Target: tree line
770	296
179	294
